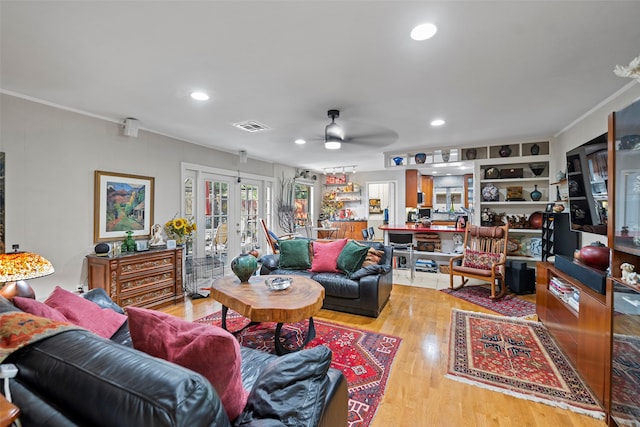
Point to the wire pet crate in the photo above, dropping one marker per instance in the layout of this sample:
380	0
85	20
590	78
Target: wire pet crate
199	273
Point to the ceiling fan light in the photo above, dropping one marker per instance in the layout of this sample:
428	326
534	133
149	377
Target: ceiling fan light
332	144
334	130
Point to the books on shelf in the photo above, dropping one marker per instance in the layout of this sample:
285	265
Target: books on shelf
565	292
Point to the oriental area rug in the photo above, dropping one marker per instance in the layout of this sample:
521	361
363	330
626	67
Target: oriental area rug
516	357
625	379
364	357
509	305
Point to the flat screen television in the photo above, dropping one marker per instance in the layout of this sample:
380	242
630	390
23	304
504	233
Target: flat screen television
587	178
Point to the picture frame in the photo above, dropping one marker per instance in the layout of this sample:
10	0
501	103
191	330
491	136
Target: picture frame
549	207
122	202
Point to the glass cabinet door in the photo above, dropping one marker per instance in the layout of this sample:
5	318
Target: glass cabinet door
627	180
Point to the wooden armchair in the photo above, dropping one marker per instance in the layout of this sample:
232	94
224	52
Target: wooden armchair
272	238
484	258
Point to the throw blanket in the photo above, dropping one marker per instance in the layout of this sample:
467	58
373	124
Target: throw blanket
18	329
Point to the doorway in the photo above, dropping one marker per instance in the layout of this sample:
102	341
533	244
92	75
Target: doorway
382	195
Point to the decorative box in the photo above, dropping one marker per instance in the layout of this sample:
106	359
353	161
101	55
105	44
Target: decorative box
511	173
514	193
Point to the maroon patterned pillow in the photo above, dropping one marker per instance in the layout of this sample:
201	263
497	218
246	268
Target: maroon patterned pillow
480	260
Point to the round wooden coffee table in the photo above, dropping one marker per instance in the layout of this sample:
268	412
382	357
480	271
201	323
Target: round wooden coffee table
258	303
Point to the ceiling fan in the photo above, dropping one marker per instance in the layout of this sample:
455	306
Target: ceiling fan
335	136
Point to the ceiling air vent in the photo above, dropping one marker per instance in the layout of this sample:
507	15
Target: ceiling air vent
251	126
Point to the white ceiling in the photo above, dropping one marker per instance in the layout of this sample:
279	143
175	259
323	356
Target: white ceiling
495	71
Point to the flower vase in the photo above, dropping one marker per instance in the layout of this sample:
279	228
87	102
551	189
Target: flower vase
129	242
243	266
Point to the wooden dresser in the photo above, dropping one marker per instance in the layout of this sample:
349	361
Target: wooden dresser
144	279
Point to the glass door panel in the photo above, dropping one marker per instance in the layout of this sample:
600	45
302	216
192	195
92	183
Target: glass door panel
216	218
249	212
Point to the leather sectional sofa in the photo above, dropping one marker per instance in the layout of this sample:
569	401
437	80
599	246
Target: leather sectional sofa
365	295
77	378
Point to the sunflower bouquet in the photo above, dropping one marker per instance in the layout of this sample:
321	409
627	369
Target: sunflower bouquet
180	229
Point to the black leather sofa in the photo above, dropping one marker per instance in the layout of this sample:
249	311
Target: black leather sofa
76	378
366	295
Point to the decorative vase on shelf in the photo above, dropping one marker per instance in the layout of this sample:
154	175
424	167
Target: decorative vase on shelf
505	151
129	245
471	154
595	255
420	158
535	194
537	168
535	149
243	266
398	160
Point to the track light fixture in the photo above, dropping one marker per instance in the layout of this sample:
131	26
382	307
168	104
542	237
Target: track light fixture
345	169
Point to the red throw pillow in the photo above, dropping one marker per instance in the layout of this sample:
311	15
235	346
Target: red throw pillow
206	349
480	260
325	256
87	314
38	308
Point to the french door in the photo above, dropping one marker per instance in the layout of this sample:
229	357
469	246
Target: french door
226	210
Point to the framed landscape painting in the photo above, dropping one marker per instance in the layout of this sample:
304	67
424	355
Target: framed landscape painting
122	202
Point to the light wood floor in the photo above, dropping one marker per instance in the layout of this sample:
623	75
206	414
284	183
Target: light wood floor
418	394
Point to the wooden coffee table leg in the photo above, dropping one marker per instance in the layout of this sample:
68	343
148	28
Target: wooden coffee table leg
280	350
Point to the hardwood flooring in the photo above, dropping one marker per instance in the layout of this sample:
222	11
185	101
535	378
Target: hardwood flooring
418	394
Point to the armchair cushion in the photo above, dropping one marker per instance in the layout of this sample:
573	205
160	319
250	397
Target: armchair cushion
352	257
325	256
294	254
370	270
480	260
206	349
288	392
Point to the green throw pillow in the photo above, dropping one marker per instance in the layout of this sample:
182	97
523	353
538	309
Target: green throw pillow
352	257
294	254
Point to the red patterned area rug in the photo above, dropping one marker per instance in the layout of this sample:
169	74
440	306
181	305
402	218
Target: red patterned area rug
516	357
364	357
509	305
625	378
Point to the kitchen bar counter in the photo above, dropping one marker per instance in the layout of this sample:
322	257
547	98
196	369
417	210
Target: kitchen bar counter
418	228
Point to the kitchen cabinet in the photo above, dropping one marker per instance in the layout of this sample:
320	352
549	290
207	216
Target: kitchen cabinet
346	229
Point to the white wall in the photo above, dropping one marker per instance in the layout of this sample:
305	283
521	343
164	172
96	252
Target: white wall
51	155
593	124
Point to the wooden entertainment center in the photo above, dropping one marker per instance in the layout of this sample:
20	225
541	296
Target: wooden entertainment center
584	334
600	332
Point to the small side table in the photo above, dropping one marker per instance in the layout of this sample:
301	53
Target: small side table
8	412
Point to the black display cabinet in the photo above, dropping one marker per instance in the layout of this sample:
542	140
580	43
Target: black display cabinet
557	237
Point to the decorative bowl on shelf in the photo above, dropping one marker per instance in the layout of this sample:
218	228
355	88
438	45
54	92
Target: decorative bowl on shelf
537	168
398	160
278	283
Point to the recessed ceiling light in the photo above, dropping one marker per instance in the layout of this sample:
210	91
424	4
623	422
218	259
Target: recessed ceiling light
300	141
423	31
437	122
200	96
